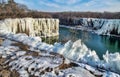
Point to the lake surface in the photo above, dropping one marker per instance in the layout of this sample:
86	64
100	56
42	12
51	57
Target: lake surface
93	41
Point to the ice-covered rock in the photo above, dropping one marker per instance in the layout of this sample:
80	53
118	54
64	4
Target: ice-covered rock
112	61
79	52
35	65
6	43
74	51
77	72
104	26
100	26
110	27
31	26
110	74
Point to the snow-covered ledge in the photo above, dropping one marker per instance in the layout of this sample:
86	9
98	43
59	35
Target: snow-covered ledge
74	51
31	26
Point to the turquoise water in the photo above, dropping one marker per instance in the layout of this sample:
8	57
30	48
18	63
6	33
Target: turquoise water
93	41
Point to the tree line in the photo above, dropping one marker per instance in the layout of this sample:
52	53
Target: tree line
67	18
106	15
11	9
15	10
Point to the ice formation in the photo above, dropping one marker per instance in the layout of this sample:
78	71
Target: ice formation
77	51
31	26
112	61
74	51
100	26
45	65
103	26
110	27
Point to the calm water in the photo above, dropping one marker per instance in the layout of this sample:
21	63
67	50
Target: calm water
93	41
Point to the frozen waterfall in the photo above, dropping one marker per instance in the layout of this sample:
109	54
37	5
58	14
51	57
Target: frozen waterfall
31	26
100	26
103	26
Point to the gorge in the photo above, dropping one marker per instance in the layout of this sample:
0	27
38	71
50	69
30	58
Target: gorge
12	31
99	26
50	27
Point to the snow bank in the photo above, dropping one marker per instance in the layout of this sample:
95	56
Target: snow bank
78	51
112	61
27	65
75	51
31	26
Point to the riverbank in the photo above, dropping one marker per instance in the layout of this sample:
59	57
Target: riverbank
73	52
27	61
88	29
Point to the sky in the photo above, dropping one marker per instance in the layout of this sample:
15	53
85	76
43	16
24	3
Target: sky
72	5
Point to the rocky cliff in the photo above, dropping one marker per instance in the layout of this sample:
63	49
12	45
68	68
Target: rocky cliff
101	26
31	26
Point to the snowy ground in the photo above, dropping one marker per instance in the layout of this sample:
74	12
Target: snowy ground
29	56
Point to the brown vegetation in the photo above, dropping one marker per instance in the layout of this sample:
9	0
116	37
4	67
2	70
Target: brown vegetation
65	66
67	18
15	10
1	40
21	46
68	15
5	70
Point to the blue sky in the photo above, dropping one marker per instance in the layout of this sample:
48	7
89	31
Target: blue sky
72	5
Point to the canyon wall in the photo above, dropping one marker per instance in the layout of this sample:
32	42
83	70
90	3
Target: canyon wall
31	26
100	26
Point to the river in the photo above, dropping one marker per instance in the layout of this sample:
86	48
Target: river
93	41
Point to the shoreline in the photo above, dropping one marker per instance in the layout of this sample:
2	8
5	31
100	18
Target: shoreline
58	47
88	30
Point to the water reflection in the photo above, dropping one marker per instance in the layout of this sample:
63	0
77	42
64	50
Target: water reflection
85	36
50	40
111	43
70	34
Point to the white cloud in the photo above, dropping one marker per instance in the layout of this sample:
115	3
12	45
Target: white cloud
73	5
67	1
91	3
49	4
99	6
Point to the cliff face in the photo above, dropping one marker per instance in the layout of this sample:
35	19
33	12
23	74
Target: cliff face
31	26
101	26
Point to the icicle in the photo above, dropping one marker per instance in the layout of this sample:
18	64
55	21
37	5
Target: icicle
32	26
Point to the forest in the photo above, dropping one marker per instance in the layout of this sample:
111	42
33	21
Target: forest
11	9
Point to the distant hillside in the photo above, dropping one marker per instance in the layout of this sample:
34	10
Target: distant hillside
10	9
107	15
67	18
